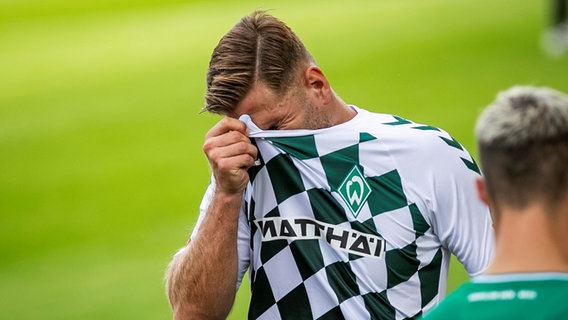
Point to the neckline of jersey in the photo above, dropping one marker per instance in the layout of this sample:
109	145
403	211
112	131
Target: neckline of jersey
520	276
256	132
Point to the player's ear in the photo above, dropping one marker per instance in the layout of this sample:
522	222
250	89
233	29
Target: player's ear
317	85
482	190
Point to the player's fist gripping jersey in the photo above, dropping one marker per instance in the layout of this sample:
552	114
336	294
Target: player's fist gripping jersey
358	220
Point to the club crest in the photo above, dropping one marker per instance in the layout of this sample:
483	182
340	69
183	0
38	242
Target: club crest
354	190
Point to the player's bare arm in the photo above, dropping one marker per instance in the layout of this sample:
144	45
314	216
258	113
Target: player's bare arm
202	277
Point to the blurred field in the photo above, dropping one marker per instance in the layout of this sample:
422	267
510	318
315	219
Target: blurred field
101	169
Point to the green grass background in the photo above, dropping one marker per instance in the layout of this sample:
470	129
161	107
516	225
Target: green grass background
101	169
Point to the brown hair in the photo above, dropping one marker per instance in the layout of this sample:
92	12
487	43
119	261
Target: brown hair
258	48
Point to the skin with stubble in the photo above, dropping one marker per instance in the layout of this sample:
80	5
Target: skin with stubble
259	68
207	267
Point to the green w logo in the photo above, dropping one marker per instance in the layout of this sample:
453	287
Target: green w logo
354	190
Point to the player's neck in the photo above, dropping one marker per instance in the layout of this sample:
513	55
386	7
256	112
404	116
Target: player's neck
530	241
340	111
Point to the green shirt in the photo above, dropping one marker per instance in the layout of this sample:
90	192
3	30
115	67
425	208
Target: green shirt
509	296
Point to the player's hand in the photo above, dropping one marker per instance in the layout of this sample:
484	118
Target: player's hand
230	154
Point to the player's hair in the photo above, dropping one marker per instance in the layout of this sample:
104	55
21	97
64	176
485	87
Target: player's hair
258	48
523	147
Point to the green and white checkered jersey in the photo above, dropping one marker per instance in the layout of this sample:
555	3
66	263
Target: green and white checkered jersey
541	296
358	221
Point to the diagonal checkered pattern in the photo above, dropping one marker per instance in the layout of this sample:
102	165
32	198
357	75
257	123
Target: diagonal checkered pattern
312	256
357	221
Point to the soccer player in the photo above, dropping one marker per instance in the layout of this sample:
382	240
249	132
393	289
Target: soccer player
523	147
336	212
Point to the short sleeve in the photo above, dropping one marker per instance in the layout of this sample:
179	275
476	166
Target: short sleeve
442	177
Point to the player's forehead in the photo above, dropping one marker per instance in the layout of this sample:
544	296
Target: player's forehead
260	104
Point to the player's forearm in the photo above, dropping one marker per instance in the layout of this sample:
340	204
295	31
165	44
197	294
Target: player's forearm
202	277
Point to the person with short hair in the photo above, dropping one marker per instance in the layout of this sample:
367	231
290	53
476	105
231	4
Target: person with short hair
523	148
336	212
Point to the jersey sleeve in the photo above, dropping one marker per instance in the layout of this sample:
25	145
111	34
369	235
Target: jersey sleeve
442	177
243	234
